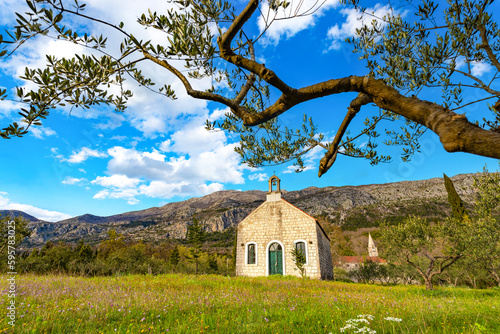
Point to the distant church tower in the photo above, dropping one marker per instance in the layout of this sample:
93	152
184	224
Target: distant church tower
372	249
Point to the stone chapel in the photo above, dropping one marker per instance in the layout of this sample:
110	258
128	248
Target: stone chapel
267	236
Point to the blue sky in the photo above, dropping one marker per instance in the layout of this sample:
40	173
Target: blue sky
104	163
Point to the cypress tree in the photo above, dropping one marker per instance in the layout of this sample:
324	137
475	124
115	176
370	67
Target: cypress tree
212	262
235	245
175	256
196	237
458	209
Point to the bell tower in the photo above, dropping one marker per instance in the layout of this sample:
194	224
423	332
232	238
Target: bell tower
274	193
372	249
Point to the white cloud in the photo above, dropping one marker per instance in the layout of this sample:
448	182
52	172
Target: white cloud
113	121
165	146
8	107
41	132
148	112
218	114
119	138
198	163
132	201
480	68
128	194
7	9
161	189
355	21
218	165
289	27
206	189
47	215
195	139
258	177
73	180
153	114
84	154
116	181
56	155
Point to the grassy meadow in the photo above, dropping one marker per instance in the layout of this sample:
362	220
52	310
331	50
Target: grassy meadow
179	303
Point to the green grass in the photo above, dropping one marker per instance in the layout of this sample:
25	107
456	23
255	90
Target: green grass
217	304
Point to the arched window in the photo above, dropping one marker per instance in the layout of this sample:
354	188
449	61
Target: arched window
300	246
251	253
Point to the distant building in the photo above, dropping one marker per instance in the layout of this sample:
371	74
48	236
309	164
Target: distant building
349	263
266	238
372	249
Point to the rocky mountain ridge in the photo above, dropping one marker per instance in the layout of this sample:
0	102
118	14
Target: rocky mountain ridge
349	206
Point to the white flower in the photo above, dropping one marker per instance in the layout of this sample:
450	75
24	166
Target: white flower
366	316
393	319
353	324
361	320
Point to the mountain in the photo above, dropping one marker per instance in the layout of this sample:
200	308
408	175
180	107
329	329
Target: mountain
16	213
351	207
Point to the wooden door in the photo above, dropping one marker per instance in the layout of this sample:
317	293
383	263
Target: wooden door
275	259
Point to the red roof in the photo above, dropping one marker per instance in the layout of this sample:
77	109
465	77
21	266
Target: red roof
360	259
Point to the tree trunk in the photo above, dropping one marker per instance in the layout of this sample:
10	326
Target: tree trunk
495	276
428	283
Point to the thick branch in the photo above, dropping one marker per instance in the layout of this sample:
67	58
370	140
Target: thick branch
189	89
331	155
451	259
455	131
250	80
228	54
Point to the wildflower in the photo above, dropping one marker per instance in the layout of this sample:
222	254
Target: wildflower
354	324
393	319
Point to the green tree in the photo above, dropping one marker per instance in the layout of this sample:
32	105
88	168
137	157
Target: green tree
175	257
84	253
113	243
419	52
57	257
429	248
195	237
483	235
488	192
299	259
13	230
480	237
212	262
457	205
234	250
367	272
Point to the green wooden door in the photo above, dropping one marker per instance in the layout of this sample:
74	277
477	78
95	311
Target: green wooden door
275	259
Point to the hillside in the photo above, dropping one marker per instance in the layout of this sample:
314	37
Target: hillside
16	213
351	207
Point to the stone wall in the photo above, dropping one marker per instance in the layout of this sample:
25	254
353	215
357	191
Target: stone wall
325	254
282	222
